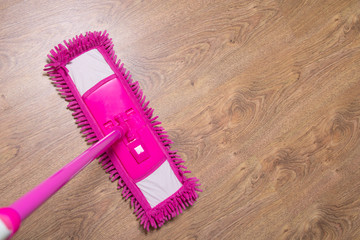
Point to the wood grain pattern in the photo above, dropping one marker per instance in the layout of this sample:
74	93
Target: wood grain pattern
260	97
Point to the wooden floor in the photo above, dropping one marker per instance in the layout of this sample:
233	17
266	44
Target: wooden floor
262	99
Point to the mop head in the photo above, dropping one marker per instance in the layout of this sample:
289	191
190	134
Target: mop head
102	95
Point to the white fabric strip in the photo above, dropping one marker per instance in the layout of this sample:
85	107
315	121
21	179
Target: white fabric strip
159	185
88	69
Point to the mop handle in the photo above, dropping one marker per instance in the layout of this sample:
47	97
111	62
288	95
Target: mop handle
11	217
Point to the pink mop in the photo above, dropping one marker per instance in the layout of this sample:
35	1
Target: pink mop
112	112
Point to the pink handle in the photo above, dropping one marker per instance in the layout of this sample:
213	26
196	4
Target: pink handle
24	206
